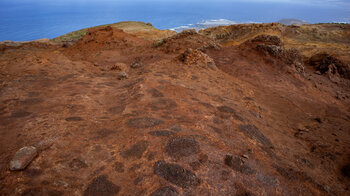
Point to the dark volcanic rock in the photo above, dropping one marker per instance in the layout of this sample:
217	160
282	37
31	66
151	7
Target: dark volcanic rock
273	50
273	46
268	39
119	167
165	191
136	150
20	114
101	186
144	122
346	170
138	180
253	133
229	111
291	174
136	65
32	172
41	191
33	94
155	93
116	109
195	165
77	164
226	109
32	101
103	133
176	128
207	105
161	133
163	104
328	63
176	174
238	165
74	118
183	146
23	158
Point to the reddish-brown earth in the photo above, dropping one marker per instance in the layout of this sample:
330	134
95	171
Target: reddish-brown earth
190	117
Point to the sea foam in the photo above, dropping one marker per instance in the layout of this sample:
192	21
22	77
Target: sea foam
207	24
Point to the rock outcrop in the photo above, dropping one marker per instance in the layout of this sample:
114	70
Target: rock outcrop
326	63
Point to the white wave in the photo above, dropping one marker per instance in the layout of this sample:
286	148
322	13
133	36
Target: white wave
217	22
341	22
207	24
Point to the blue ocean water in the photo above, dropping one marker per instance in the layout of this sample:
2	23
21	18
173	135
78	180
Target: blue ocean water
22	20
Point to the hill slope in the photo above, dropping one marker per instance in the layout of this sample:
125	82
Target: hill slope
117	114
141	29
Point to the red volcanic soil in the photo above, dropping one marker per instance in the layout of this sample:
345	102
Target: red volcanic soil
114	114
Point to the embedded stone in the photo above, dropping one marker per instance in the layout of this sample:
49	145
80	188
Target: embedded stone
176	174
23	158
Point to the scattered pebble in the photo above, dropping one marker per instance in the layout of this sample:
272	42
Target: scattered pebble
136	65
122	75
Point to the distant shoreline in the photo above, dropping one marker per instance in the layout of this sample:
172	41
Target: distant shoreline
134	26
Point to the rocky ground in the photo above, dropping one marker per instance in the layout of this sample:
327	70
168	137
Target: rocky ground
115	113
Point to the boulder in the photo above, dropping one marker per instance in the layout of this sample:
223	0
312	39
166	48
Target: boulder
267	39
326	63
197	58
23	158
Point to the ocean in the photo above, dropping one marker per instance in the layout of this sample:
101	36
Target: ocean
25	20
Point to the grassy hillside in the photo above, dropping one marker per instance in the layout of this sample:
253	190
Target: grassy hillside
141	29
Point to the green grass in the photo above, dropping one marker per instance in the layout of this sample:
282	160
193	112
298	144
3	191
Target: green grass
72	36
158	43
128	26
